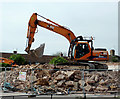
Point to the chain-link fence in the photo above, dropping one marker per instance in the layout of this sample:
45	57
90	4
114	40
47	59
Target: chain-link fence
42	81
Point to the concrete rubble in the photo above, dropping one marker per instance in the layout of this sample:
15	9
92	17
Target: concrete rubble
47	79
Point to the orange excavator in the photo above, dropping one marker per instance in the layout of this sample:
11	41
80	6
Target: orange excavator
81	48
7	61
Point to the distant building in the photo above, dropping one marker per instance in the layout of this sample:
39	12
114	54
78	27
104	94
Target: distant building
43	59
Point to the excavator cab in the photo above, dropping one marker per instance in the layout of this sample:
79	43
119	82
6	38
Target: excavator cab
81	49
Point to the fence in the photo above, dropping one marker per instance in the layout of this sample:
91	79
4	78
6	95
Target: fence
37	81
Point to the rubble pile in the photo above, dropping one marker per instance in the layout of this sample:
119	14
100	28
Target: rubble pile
45	79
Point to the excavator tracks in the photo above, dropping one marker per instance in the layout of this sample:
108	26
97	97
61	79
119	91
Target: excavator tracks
84	65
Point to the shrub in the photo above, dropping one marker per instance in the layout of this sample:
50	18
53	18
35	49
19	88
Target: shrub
57	60
18	59
115	59
4	65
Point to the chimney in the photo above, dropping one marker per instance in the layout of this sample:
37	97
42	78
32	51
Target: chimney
112	52
14	52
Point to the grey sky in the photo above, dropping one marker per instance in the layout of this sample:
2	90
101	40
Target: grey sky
97	19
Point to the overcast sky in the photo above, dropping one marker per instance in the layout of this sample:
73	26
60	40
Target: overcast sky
97	19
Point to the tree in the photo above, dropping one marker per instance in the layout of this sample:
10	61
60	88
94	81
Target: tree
58	54
18	59
115	59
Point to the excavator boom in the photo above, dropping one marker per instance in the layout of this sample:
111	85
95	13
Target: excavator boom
32	25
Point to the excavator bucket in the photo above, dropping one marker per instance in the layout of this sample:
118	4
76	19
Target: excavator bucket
38	52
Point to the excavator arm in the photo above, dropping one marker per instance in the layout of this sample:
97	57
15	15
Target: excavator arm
52	26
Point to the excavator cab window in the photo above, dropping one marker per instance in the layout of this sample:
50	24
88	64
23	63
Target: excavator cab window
81	50
73	51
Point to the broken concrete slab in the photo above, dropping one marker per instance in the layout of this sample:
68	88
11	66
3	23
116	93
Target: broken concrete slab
60	77
69	83
88	87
